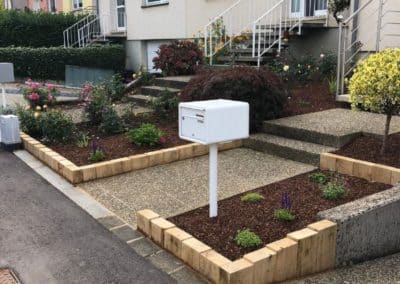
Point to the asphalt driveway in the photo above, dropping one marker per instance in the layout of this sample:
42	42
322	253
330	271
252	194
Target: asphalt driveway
46	238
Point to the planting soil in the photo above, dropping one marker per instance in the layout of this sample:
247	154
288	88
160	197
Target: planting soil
368	148
116	146
233	214
309	98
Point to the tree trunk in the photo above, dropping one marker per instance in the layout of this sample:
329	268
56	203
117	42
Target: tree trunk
385	136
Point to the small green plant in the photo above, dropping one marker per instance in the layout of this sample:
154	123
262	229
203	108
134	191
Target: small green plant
318	178
147	134
252	197
166	105
56	127
332	86
97	104
111	123
114	87
283	215
333	191
285	212
96	154
247	239
82	140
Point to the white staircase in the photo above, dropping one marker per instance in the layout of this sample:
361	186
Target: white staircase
261	27
358	37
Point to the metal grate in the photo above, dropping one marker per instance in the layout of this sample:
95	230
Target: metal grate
7	276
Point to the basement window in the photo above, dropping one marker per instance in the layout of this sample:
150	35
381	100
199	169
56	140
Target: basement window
147	3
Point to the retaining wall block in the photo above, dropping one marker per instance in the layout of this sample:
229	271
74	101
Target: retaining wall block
185	151
43	152
345	165
88	172
264	263
286	259
158	226
211	263
170	155
395	176
200	150
328	161
155	158
143	218
381	173
326	244
307	254
238	271
139	161
173	239
191	251
363	169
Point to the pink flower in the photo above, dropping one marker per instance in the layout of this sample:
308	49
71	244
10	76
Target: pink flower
50	98
162	140
50	87
34	96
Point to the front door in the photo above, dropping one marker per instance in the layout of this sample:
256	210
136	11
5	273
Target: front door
297	8
121	20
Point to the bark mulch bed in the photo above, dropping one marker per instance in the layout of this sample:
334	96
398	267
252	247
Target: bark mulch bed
236	215
368	148
116	146
308	98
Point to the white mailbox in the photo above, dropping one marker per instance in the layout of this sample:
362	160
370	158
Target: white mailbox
213	121
210	122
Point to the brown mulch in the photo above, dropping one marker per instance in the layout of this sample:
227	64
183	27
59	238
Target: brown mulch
234	215
116	146
368	148
311	97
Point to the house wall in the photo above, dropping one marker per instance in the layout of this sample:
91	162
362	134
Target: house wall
69	7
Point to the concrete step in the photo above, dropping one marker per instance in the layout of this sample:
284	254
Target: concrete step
297	132
241	58
295	150
156	90
141	100
178	82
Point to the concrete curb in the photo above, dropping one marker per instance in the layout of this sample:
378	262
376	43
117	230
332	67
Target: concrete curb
76	174
303	252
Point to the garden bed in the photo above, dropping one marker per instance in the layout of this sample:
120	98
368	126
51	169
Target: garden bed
308	98
367	148
234	214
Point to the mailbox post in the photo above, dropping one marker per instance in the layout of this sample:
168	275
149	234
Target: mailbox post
209	123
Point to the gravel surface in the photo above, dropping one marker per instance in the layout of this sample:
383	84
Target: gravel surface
182	186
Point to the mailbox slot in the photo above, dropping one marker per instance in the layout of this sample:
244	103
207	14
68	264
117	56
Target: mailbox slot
193	123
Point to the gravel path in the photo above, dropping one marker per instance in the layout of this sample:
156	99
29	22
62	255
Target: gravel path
182	186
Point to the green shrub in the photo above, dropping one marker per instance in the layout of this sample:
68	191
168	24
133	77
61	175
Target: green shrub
261	88
166	105
49	63
97	104
252	197
29	122
332	85
318	178
178	58
247	239
34	29
97	153
333	191
56	127
327	64
147	134
114	87
82	140
283	215
111	123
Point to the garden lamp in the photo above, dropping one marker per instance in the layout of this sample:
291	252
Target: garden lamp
6	76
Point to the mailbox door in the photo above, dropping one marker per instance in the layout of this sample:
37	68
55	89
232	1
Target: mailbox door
193	124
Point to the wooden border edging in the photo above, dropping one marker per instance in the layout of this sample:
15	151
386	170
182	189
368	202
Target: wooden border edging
303	252
359	168
77	174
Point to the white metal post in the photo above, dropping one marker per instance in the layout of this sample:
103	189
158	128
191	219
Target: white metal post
213	180
3	97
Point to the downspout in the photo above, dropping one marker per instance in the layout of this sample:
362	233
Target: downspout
354	33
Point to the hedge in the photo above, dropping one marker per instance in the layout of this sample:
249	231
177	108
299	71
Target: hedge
34	29
49	63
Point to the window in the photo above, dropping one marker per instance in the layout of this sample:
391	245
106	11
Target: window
52	6
77	4
154	2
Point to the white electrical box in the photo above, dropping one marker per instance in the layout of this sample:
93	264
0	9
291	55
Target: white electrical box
6	72
9	130
213	121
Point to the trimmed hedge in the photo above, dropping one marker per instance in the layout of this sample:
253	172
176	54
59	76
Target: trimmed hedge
34	29
49	63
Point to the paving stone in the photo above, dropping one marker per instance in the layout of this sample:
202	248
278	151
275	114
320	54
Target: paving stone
144	247
110	221
126	233
186	276
165	261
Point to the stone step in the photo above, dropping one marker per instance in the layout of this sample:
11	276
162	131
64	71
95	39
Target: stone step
297	132
156	90
178	82
141	100
241	58
295	150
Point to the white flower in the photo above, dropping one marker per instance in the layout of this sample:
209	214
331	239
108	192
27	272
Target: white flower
322	55
286	68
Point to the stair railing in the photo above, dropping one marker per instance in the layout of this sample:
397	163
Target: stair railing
71	35
92	31
351	49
